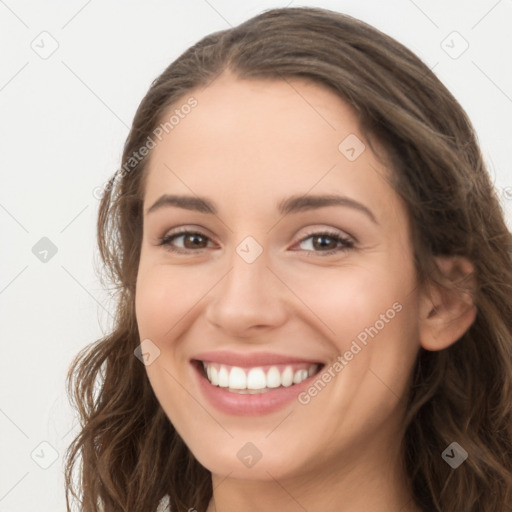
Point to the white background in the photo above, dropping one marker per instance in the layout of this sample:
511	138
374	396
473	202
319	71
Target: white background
64	120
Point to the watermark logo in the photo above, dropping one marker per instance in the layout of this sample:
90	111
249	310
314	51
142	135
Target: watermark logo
44	455
454	455
454	45
147	352
44	44
351	147
44	250
249	249
249	455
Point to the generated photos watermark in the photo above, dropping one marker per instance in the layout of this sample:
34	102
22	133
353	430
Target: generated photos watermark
158	133
335	368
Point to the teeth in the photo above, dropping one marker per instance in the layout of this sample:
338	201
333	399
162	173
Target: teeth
237	378
223	377
287	377
214	375
299	376
273	378
256	380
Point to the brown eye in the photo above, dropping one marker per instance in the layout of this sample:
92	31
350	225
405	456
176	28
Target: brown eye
327	243
191	240
194	240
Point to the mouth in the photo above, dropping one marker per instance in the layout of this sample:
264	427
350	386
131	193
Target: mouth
256	379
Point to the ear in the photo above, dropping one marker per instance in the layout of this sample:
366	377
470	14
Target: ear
446	314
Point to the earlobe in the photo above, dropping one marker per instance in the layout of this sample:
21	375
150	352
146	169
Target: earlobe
447	312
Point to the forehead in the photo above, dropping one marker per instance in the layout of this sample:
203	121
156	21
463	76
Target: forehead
279	113
264	140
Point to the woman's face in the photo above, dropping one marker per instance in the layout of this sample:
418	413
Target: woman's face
263	290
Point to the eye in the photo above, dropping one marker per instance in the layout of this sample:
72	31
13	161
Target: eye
319	240
191	239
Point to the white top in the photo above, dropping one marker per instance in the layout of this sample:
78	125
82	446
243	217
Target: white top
163	506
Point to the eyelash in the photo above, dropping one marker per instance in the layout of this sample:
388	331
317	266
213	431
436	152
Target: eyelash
348	244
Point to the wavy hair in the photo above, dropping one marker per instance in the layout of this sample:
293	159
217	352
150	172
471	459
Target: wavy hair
131	455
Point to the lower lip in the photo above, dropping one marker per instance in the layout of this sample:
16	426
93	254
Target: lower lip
250	404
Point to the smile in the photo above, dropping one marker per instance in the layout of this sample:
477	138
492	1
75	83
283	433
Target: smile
258	379
252	384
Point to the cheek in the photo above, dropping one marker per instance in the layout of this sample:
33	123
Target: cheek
164	296
149	299
374	315
342	302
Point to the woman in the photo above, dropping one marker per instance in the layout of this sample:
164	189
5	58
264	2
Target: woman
314	280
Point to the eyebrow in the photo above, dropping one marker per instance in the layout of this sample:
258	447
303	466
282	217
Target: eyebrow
293	204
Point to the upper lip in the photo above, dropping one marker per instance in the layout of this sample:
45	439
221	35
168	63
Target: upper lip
250	359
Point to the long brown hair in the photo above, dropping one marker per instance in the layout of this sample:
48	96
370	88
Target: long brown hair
131	454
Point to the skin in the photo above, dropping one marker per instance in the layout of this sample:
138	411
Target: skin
246	146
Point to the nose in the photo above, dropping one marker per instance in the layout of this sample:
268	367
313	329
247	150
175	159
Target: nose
248	299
